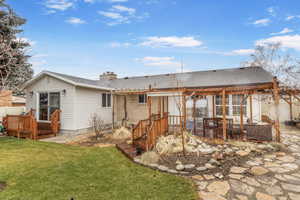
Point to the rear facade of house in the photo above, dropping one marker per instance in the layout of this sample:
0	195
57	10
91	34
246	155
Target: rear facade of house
119	100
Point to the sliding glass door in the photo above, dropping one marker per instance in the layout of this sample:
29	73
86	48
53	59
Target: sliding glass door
48	103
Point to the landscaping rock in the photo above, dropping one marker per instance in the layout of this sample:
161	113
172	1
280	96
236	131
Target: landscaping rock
242	153
163	168
201	169
274	190
236	176
237	170
149	157
258	171
294	196
219	175
180	167
202	185
121	133
189	166
291	187
251	181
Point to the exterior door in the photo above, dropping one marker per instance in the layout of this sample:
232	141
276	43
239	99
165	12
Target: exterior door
48	103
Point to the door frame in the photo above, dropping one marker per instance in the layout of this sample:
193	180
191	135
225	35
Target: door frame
38	104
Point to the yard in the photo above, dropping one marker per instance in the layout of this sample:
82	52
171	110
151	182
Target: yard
39	170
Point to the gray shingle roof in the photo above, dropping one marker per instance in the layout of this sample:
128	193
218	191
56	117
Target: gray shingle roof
223	77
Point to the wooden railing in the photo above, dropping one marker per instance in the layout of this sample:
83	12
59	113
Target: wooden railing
27	126
21	124
146	132
55	121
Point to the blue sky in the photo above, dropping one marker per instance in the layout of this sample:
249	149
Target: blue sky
138	37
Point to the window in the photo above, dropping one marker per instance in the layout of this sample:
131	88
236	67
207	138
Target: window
142	98
236	107
219	109
106	100
232	105
48	103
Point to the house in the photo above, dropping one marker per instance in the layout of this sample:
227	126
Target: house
131	99
7	99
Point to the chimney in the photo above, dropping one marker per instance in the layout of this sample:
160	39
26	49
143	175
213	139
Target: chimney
108	76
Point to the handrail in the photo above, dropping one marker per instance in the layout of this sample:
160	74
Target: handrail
151	130
55	121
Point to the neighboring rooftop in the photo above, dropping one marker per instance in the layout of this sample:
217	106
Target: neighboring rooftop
210	78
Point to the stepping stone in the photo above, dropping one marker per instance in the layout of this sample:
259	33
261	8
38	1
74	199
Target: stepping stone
210	196
241	197
208	177
219	187
291	187
262	196
236	176
237	170
258	171
202	185
286	159
267	180
197	177
274	190
240	187
251	181
294	196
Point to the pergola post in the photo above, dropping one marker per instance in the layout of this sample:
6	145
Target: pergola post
276	101
251	110
159	106
194	114
213	106
149	104
184	111
224	114
291	107
242	118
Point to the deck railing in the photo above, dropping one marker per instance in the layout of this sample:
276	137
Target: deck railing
27	125
146	132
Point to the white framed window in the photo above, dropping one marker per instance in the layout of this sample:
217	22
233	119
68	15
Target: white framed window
106	100
236	104
142	98
233	107
218	103
48	102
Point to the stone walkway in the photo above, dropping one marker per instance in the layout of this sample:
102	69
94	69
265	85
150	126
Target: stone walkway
273	176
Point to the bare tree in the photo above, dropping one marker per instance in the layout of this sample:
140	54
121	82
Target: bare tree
273	58
98	125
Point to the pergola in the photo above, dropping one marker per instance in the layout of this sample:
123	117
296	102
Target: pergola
271	88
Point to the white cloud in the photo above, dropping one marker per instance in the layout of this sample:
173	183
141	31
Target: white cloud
120	8
89	1
287	41
61	5
160	61
291	17
119	44
262	22
284	31
117	1
271	11
115	18
171	41
75	20
242	52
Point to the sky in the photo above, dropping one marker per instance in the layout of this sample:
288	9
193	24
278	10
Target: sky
143	37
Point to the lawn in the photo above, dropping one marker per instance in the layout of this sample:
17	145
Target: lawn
46	171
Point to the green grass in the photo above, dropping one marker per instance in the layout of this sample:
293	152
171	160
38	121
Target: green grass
47	171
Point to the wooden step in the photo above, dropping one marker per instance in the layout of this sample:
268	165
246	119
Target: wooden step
128	150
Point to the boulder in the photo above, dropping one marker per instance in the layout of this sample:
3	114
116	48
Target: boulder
149	157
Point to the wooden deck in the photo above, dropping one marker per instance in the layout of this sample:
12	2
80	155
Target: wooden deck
26	126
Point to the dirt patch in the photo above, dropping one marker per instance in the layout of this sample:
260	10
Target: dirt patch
107	140
2	186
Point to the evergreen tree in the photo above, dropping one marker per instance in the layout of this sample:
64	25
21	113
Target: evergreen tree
15	69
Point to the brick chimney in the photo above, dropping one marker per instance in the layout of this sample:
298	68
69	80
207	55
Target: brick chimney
108	76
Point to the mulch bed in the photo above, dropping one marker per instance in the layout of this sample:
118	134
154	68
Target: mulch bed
2	186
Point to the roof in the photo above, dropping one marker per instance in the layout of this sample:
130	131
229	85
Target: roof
196	79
